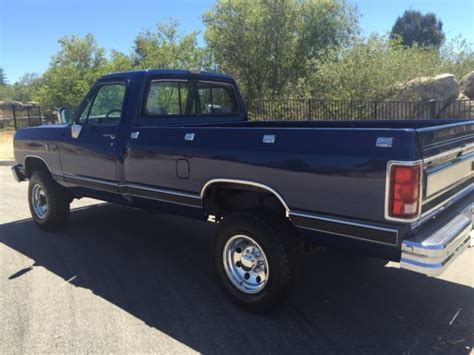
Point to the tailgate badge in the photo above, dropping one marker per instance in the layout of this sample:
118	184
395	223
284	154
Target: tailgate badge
384	142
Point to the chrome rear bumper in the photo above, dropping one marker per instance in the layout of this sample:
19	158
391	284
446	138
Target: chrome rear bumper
431	253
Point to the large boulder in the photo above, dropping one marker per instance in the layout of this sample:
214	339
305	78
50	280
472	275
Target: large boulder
439	88
467	85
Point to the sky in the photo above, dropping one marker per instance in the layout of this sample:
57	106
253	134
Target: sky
29	29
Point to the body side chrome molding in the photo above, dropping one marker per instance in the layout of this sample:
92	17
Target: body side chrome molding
139	188
373	233
98	181
136	186
347	236
248	183
337	220
165	191
162	200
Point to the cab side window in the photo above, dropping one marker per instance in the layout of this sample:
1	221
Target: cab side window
216	99
169	98
106	105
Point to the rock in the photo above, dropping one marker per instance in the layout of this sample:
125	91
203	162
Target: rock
467	85
429	97
439	88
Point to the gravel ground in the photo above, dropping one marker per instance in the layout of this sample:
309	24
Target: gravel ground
119	280
6	144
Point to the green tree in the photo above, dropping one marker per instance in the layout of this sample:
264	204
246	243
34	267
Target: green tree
119	62
266	44
3	78
76	66
415	28
23	90
167	47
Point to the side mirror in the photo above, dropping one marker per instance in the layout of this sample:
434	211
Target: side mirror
65	114
76	130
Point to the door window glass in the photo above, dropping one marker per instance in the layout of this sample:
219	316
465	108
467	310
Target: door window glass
106	106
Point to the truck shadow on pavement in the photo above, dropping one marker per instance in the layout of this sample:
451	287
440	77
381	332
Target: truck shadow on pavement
158	269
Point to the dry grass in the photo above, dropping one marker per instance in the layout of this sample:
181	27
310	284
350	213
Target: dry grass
6	144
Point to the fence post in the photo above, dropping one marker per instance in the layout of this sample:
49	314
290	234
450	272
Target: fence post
309	110
14	117
39	113
432	109
28	114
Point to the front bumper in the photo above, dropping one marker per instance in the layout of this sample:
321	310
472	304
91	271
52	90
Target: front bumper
431	251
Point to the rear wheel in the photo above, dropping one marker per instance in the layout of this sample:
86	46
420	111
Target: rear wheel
49	203
253	256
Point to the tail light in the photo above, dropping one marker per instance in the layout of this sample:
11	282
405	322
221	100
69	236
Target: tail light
404	191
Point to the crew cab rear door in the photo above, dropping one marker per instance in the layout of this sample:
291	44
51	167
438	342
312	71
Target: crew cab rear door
90	158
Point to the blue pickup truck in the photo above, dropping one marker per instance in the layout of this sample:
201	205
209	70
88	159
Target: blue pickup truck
179	141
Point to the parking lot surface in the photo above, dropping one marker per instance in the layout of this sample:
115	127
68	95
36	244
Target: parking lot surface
121	280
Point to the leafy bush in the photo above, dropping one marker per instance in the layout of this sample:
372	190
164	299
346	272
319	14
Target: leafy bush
370	67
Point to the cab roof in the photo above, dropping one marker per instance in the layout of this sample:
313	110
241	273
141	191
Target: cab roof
176	73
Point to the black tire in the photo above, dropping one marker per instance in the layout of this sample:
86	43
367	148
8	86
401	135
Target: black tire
56	198
276	236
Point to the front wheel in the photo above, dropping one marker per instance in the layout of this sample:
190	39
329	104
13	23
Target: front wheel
254	259
49	203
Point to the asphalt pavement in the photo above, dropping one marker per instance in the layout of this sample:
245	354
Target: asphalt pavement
120	280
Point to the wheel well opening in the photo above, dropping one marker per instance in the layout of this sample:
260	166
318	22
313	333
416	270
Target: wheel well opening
33	164
221	199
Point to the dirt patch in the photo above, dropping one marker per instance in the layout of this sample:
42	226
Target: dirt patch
6	144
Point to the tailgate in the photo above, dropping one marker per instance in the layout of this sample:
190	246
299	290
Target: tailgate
448	159
440	139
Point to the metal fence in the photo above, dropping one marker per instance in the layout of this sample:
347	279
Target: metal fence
20	116
312	109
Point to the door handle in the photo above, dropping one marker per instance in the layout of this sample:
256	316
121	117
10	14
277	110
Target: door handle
109	135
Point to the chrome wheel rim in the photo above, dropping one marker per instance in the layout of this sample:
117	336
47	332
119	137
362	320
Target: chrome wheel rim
39	201
245	264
